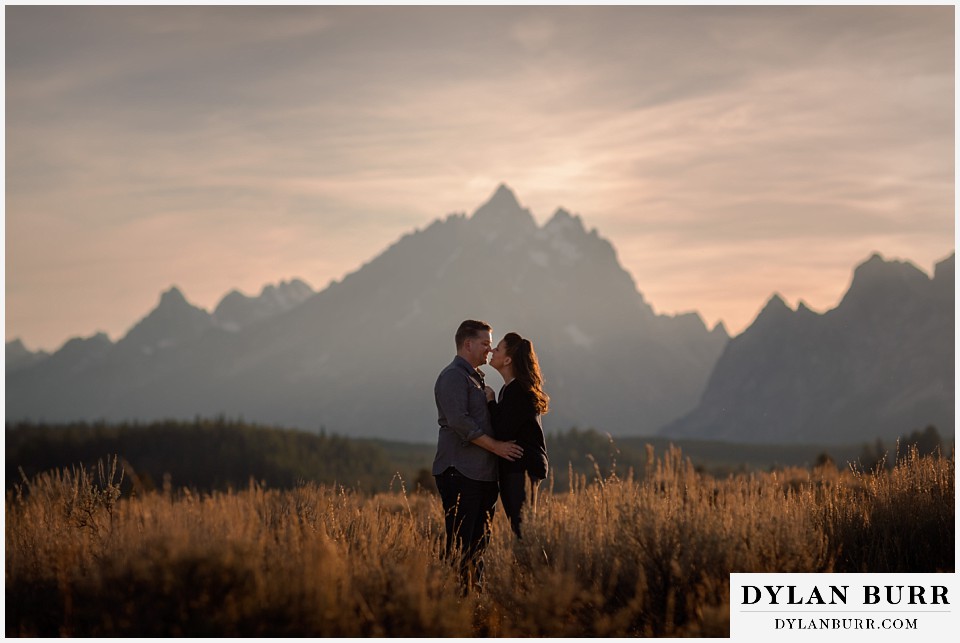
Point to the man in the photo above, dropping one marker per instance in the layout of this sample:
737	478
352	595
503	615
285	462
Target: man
466	464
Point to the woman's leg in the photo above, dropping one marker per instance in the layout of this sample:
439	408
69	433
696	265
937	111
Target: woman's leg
534	493
512	495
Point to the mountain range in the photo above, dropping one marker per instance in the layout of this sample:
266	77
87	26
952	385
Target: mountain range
19	356
879	365
361	356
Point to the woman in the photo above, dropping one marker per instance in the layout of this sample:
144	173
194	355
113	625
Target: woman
516	417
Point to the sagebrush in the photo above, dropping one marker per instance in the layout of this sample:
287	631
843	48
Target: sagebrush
603	557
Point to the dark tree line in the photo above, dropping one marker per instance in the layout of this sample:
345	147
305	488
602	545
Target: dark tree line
214	454
217	454
927	442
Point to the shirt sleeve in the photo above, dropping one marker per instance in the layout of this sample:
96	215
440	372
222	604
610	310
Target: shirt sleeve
453	398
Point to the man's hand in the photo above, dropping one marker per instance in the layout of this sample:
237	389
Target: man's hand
507	450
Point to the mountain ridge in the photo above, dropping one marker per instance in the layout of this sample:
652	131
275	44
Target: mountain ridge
875	366
361	355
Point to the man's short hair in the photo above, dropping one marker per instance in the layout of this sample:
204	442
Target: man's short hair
471	328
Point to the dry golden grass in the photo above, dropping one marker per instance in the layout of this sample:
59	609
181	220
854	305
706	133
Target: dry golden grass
614	557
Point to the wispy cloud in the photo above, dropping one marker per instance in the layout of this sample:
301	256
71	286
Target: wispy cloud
727	152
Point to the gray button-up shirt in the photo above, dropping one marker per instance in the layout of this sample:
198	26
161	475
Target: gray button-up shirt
463	416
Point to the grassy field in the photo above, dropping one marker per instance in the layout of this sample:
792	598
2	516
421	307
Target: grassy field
601	556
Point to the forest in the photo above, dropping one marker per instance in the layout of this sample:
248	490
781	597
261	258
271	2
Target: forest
208	454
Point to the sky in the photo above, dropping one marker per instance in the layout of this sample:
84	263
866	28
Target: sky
728	153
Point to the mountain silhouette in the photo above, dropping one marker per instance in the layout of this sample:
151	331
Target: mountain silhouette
174	322
361	357
236	310
881	364
19	356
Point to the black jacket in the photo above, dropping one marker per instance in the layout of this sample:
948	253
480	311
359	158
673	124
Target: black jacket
515	417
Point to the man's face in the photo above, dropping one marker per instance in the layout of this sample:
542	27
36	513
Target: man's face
477	348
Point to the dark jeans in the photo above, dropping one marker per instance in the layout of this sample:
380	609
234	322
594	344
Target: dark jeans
468	507
513	495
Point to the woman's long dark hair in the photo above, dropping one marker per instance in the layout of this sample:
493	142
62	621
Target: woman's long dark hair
526	369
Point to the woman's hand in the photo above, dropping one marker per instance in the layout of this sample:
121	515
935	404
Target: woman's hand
491	395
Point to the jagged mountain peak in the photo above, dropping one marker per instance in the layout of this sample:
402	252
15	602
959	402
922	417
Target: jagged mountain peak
944	270
563	221
173	321
503	194
502	209
776	305
16	345
173	296
287	293
294	283
878	276
174	302
19	356
237	310
876	267
98	339
773	314
877	365
804	309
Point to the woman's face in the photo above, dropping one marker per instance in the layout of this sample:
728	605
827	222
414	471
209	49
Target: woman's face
499	358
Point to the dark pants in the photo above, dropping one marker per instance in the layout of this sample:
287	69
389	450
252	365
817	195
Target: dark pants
468	507
513	495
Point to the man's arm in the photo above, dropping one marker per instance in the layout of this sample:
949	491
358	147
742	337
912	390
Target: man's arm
452	395
507	450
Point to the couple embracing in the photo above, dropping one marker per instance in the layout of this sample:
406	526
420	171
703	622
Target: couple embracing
489	445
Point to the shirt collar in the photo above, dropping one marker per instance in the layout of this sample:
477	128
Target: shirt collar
464	364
